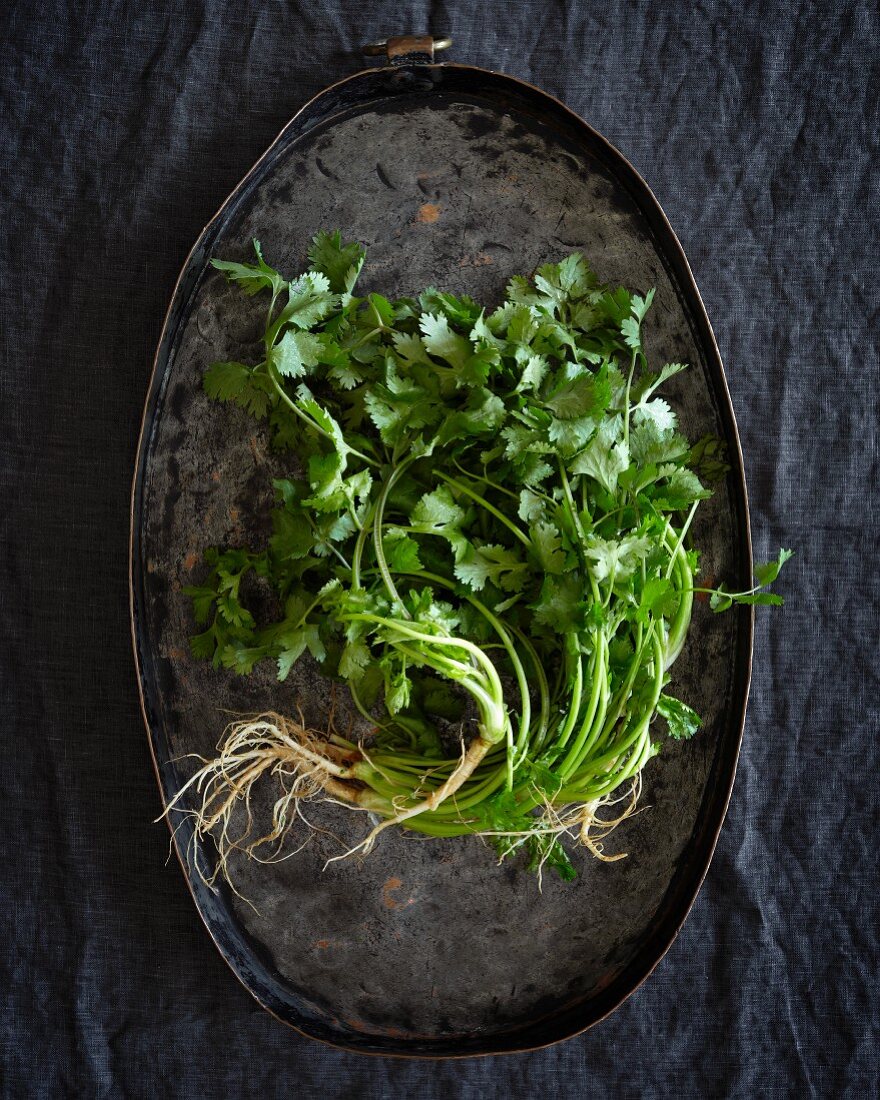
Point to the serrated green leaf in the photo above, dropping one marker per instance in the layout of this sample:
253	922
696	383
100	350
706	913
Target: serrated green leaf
683	722
226	381
586	394
437	510
631	332
658	598
294	647
604	458
440	340
354	661
617	558
533	374
561	605
491	563
252	278
547	543
640	305
656	412
682	488
334	259
297	353
768	572
766	598
402	552
531	506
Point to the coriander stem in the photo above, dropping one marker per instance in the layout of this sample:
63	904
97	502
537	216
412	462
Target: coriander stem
524	539
681	536
377	535
632	367
294	408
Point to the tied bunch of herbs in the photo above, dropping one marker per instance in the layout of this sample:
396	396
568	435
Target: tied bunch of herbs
484	535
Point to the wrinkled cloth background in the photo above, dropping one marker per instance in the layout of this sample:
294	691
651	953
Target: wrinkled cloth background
124	126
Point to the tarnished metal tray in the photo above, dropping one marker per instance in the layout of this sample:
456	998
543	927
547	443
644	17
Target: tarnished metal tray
458	177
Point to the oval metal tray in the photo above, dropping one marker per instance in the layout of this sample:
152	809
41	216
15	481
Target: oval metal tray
457	177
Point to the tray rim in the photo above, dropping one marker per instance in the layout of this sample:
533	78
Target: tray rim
746	615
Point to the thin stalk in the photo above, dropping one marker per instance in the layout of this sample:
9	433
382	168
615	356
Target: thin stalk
377	534
512	527
574	753
306	419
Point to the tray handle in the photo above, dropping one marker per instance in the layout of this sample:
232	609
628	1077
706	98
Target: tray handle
408	49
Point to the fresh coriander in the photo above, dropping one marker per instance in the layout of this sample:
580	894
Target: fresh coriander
486	522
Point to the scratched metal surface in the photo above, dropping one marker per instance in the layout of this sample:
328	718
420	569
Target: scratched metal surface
424	945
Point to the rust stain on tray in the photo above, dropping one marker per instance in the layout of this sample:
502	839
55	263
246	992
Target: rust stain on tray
392	885
429	213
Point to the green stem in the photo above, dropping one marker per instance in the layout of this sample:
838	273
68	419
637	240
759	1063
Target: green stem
632	367
512	527
589	725
306	419
377	534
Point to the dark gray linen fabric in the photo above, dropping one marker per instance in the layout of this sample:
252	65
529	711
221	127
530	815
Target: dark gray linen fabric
123	128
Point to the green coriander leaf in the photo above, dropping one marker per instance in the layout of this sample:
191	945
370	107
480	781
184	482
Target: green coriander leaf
461	310
204	646
561	605
293	538
631	332
346	374
354	661
533	374
491	563
308	301
323	419
603	459
658	413
229	609
226	381
410	348
349	281
297	353
649	382
483	412
241	385
658	598
330	256
203	600
569	436
720	600
682	488
294	647
640	306
650	444
482	335
241	658
682	721
439	339
252	278
402	552
767	573
437	511
586	394
401	406
547	543
398	686
531	506
617	558
522	326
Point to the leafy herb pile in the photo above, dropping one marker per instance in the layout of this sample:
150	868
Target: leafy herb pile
484	535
